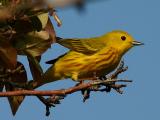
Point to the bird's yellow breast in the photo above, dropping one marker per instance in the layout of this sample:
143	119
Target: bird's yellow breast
101	63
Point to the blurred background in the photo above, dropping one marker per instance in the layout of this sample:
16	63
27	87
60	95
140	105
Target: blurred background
140	99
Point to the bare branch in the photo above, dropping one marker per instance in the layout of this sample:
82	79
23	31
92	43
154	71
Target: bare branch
59	92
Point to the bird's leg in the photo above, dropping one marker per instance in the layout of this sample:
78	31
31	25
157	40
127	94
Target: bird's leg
95	76
86	92
107	88
75	78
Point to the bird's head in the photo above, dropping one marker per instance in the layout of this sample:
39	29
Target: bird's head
121	40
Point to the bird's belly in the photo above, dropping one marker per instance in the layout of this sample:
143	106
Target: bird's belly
98	72
106	69
99	68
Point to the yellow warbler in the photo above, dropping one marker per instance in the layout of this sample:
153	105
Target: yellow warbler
89	57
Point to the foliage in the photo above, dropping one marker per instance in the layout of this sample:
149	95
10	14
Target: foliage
25	29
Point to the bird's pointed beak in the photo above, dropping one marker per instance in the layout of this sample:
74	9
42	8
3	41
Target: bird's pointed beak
136	43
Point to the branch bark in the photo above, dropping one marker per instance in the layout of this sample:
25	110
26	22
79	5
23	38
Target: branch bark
63	91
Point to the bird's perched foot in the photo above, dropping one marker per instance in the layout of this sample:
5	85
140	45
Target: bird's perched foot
107	88
85	92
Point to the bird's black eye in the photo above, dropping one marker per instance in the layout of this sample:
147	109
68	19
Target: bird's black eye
123	38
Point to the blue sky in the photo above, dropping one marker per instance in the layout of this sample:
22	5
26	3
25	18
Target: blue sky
141	98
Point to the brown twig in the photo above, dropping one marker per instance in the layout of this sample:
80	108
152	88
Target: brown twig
57	92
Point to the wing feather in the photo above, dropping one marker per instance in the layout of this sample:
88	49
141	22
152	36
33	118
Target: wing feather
85	46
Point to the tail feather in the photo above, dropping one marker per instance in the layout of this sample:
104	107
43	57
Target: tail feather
50	76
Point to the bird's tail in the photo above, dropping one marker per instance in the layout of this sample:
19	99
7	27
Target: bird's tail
49	76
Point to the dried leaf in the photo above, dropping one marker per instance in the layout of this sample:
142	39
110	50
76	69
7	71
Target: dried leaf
34	23
8	54
35	62
35	43
25	14
1	87
5	2
4	16
35	68
20	77
20	26
43	19
1	79
50	29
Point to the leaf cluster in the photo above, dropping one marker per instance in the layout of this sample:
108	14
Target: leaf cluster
25	29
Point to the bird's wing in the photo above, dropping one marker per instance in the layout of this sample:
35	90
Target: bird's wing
85	46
